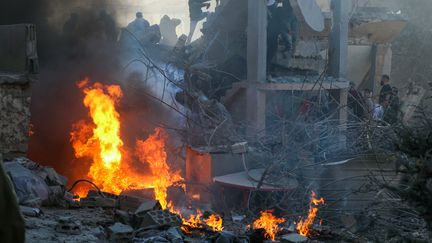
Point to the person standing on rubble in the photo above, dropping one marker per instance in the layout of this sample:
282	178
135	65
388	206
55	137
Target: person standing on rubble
281	23
368	103
168	30
12	227
355	102
386	90
392	112
196	14
289	33
139	26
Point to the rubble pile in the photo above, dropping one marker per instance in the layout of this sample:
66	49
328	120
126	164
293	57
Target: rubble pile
52	213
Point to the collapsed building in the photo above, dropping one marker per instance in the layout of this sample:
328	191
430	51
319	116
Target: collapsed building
248	143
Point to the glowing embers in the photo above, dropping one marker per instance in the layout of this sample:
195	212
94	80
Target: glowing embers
269	223
304	225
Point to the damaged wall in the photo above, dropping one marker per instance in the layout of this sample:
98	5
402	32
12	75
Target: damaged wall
15	118
18	45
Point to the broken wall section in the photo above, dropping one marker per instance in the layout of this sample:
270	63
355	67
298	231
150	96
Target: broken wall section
17	71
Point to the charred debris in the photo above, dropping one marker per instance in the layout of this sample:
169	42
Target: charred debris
280	131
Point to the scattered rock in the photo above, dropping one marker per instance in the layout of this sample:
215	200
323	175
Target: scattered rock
120	233
294	238
67	225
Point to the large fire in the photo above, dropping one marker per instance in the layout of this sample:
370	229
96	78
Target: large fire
101	141
304	226
152	151
269	223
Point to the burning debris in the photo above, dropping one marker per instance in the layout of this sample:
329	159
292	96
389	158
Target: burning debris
100	141
269	223
304	225
248	135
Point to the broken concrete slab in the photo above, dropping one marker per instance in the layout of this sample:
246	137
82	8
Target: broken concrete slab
98	202
294	238
120	232
147	206
133	202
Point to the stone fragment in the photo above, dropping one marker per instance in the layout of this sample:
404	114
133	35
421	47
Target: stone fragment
67	225
294	238
120	233
147	206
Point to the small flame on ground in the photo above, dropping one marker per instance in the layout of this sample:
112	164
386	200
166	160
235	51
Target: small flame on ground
196	221
269	223
215	223
304	226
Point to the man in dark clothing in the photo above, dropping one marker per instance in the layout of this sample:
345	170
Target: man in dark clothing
386	91
281	22
355	102
391	114
12	229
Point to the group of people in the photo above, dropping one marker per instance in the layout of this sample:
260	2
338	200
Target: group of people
106	29
387	109
164	33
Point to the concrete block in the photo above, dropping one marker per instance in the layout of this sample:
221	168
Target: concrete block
147	206
157	218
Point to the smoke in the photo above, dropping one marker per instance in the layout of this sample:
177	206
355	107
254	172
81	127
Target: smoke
78	39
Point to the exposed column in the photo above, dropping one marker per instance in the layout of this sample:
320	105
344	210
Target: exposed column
257	41
256	67
339	38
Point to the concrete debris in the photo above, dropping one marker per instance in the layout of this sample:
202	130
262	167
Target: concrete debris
132	202
98	202
158	218
147	206
120	232
124	217
36	185
294	238
31	212
238	218
174	235
155	239
31	190
68	225
239	148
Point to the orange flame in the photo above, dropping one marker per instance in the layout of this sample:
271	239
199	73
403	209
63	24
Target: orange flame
152	151
101	141
215	222
196	221
269	223
304	226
